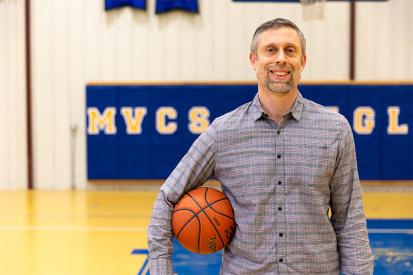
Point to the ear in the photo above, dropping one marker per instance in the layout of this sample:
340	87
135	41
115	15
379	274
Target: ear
303	61
253	60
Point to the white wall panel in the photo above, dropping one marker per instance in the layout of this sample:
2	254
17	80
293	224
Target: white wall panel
237	47
13	149
44	108
328	44
385	40
76	42
50	94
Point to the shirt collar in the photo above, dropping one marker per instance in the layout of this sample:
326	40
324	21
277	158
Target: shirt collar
296	111
256	109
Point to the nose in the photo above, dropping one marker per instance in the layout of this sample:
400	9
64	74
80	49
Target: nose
280	58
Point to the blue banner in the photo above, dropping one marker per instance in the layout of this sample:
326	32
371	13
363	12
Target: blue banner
297	1
142	131
168	5
113	4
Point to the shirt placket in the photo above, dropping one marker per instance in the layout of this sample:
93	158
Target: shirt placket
280	233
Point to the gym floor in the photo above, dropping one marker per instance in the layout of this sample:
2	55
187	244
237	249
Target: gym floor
104	232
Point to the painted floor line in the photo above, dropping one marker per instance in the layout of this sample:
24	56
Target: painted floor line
390	231
73	228
143	229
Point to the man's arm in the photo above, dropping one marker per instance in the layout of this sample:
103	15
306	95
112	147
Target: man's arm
192	171
348	217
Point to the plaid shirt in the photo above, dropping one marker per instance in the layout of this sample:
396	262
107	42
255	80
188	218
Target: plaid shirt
281	180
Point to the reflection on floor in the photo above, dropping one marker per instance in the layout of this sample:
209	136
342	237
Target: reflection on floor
104	232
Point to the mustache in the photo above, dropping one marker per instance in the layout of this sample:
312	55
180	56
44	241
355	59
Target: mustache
279	67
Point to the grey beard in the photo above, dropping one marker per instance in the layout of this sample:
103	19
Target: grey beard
281	88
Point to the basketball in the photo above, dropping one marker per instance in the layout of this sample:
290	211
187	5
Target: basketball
203	220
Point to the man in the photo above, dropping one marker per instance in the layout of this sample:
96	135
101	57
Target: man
283	161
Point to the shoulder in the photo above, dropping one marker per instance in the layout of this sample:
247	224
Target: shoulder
234	118
228	122
319	114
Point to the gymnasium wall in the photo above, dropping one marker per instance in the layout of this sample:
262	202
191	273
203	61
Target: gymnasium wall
13	154
142	131
76	42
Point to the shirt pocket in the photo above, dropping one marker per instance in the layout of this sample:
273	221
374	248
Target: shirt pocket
318	165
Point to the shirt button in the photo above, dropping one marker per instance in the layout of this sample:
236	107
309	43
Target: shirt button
281	234
280	182
279	156
280	208
278	132
281	260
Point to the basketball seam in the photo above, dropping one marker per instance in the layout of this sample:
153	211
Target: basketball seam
203	210
211	204
199	230
195	215
208	205
225	215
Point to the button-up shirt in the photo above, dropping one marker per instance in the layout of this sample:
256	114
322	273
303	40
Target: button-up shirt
294	188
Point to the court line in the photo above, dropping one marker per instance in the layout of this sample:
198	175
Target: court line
143	229
390	231
72	228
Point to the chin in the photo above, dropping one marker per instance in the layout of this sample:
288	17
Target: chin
280	88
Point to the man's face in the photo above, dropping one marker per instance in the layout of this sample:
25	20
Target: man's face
279	60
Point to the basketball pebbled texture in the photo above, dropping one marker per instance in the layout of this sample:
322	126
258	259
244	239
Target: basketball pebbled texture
203	220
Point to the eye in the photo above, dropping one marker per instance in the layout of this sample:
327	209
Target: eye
270	50
290	50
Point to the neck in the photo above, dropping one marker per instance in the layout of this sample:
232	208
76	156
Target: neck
276	104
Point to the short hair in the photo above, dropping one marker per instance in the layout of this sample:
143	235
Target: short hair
276	24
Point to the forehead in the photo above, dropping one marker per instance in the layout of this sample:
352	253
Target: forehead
280	36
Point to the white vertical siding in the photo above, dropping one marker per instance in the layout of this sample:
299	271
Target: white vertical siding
385	40
13	156
76	42
44	107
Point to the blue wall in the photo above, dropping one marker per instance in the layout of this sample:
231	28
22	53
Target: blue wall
153	155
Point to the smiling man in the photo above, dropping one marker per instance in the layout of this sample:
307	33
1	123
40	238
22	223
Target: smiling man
278	58
284	162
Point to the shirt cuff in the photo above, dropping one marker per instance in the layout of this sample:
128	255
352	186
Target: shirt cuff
160	266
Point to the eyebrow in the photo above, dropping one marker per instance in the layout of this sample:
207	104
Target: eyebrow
288	44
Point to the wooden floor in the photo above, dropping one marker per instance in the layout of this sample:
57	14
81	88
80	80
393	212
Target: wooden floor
85	232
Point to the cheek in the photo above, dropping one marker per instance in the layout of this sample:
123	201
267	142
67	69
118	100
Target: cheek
261	71
297	74
298	71
259	67
298	68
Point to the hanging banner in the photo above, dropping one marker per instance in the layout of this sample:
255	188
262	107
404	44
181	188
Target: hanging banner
169	5
113	4
297	1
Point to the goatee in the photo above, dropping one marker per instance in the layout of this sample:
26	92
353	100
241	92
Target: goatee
279	87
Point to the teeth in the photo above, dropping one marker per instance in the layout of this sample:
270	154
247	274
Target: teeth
280	73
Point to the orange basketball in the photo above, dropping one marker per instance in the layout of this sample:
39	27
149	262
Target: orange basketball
203	220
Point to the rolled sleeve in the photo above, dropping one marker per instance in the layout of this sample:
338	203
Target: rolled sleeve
193	170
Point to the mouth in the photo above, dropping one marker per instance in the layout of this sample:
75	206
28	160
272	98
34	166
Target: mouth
279	75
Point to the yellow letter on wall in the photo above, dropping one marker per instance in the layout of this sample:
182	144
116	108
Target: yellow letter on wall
394	128
198	120
134	120
162	126
98	121
363	120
